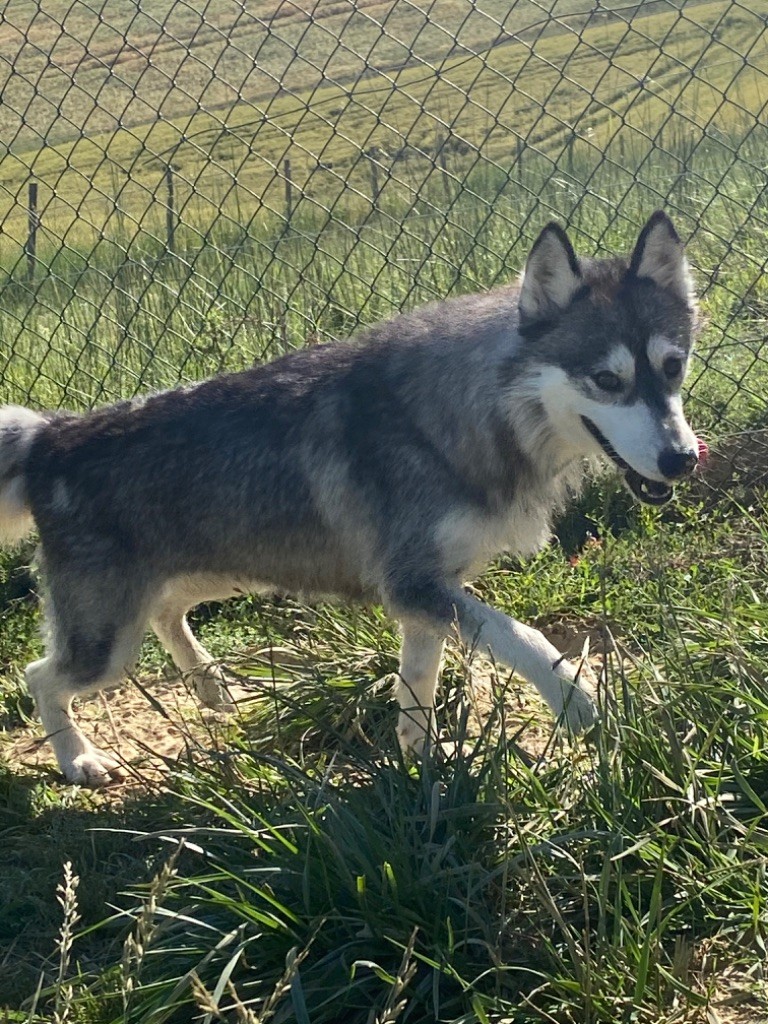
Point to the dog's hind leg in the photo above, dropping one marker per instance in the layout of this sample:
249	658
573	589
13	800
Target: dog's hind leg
169	622
420	654
87	650
80	761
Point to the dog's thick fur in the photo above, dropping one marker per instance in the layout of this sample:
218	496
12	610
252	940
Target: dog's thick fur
390	468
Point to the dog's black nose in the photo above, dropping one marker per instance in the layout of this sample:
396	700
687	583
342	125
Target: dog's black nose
674	463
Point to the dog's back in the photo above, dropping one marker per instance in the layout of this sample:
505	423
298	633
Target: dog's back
290	475
201	479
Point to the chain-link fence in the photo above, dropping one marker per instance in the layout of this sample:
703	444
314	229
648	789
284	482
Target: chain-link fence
186	187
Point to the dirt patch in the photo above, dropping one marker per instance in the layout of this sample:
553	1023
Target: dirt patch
735	994
148	725
527	722
736	464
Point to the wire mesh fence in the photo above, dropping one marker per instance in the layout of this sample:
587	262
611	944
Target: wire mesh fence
185	188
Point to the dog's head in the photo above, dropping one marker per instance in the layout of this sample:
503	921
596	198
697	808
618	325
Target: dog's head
607	344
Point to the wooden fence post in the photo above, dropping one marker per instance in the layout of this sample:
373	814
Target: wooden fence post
375	187
569	147
30	248
170	211
443	162
288	191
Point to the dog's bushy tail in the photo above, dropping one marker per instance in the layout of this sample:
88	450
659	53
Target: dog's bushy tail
18	427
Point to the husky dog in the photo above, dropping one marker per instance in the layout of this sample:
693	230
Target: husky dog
390	468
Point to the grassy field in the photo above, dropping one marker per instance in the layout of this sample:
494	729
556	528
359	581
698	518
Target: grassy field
490	85
284	864
593	118
289	861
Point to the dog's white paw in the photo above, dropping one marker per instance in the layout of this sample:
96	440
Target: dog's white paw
92	768
580	712
575	704
211	684
412	732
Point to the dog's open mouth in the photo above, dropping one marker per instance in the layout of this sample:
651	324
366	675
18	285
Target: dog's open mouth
650	492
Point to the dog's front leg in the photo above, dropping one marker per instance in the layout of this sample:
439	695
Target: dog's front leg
436	606
565	687
420	654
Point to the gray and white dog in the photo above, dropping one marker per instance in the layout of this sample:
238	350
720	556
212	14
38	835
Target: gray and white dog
390	468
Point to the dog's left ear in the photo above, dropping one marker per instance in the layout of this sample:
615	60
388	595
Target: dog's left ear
660	257
552	275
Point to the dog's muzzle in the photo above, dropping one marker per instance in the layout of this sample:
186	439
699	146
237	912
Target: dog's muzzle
649	492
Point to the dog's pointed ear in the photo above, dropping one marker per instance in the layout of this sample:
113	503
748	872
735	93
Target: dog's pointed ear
660	257
552	275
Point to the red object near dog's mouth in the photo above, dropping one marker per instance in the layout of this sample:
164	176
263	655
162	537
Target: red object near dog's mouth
703	450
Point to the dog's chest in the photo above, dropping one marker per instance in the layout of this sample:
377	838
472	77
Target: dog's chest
469	540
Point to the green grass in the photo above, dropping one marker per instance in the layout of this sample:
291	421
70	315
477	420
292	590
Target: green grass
309	871
581	89
292	868
595	119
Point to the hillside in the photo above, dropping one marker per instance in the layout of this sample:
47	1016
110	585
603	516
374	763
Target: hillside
98	101
95	67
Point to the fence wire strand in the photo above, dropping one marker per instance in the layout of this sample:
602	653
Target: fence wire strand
186	188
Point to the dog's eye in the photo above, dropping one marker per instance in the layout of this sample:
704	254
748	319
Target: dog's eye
608	381
673	367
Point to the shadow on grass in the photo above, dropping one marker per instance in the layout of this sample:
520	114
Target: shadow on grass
303	786
303	869
43	825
